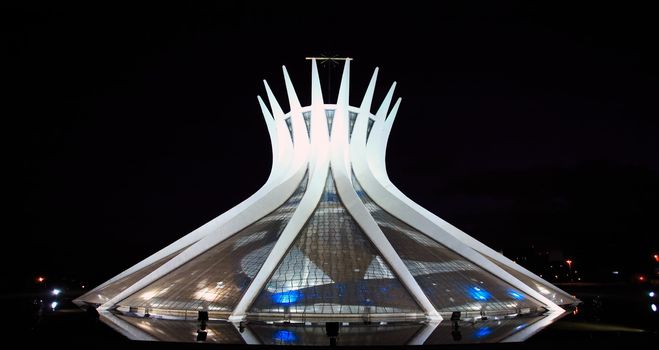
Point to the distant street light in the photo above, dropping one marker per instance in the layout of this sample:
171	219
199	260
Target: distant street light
569	268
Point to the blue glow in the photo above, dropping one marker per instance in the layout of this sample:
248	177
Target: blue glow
285	336
651	294
515	295
483	332
288	297
521	326
479	294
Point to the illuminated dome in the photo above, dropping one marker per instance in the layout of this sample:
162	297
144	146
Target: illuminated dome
327	237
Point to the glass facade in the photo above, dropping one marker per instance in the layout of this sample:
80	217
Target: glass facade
352	119
216	279
369	128
289	123
332	268
451	282
307	122
547	290
101	295
329	114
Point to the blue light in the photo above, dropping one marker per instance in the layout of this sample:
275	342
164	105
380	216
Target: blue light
285	336
515	295
521	326
479	294
288	297
483	332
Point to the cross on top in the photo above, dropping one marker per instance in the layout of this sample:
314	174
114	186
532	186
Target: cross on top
323	59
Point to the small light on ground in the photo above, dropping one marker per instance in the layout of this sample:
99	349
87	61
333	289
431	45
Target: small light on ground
53	305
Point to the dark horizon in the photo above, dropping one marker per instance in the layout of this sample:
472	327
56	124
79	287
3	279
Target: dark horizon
541	122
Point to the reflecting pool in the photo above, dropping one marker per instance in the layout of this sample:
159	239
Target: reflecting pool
467	331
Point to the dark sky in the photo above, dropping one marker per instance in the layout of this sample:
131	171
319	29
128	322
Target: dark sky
128	127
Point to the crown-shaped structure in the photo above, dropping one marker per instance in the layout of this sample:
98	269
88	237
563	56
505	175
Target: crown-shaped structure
327	237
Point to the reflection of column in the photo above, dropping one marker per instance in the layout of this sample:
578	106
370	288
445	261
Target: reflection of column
332	329
367	312
246	333
421	336
455	332
537	323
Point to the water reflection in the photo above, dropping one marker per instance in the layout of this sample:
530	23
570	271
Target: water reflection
488	331
491	330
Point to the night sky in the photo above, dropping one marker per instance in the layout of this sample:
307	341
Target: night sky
127	128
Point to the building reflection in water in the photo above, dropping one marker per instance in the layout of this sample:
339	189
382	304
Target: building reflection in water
490	330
